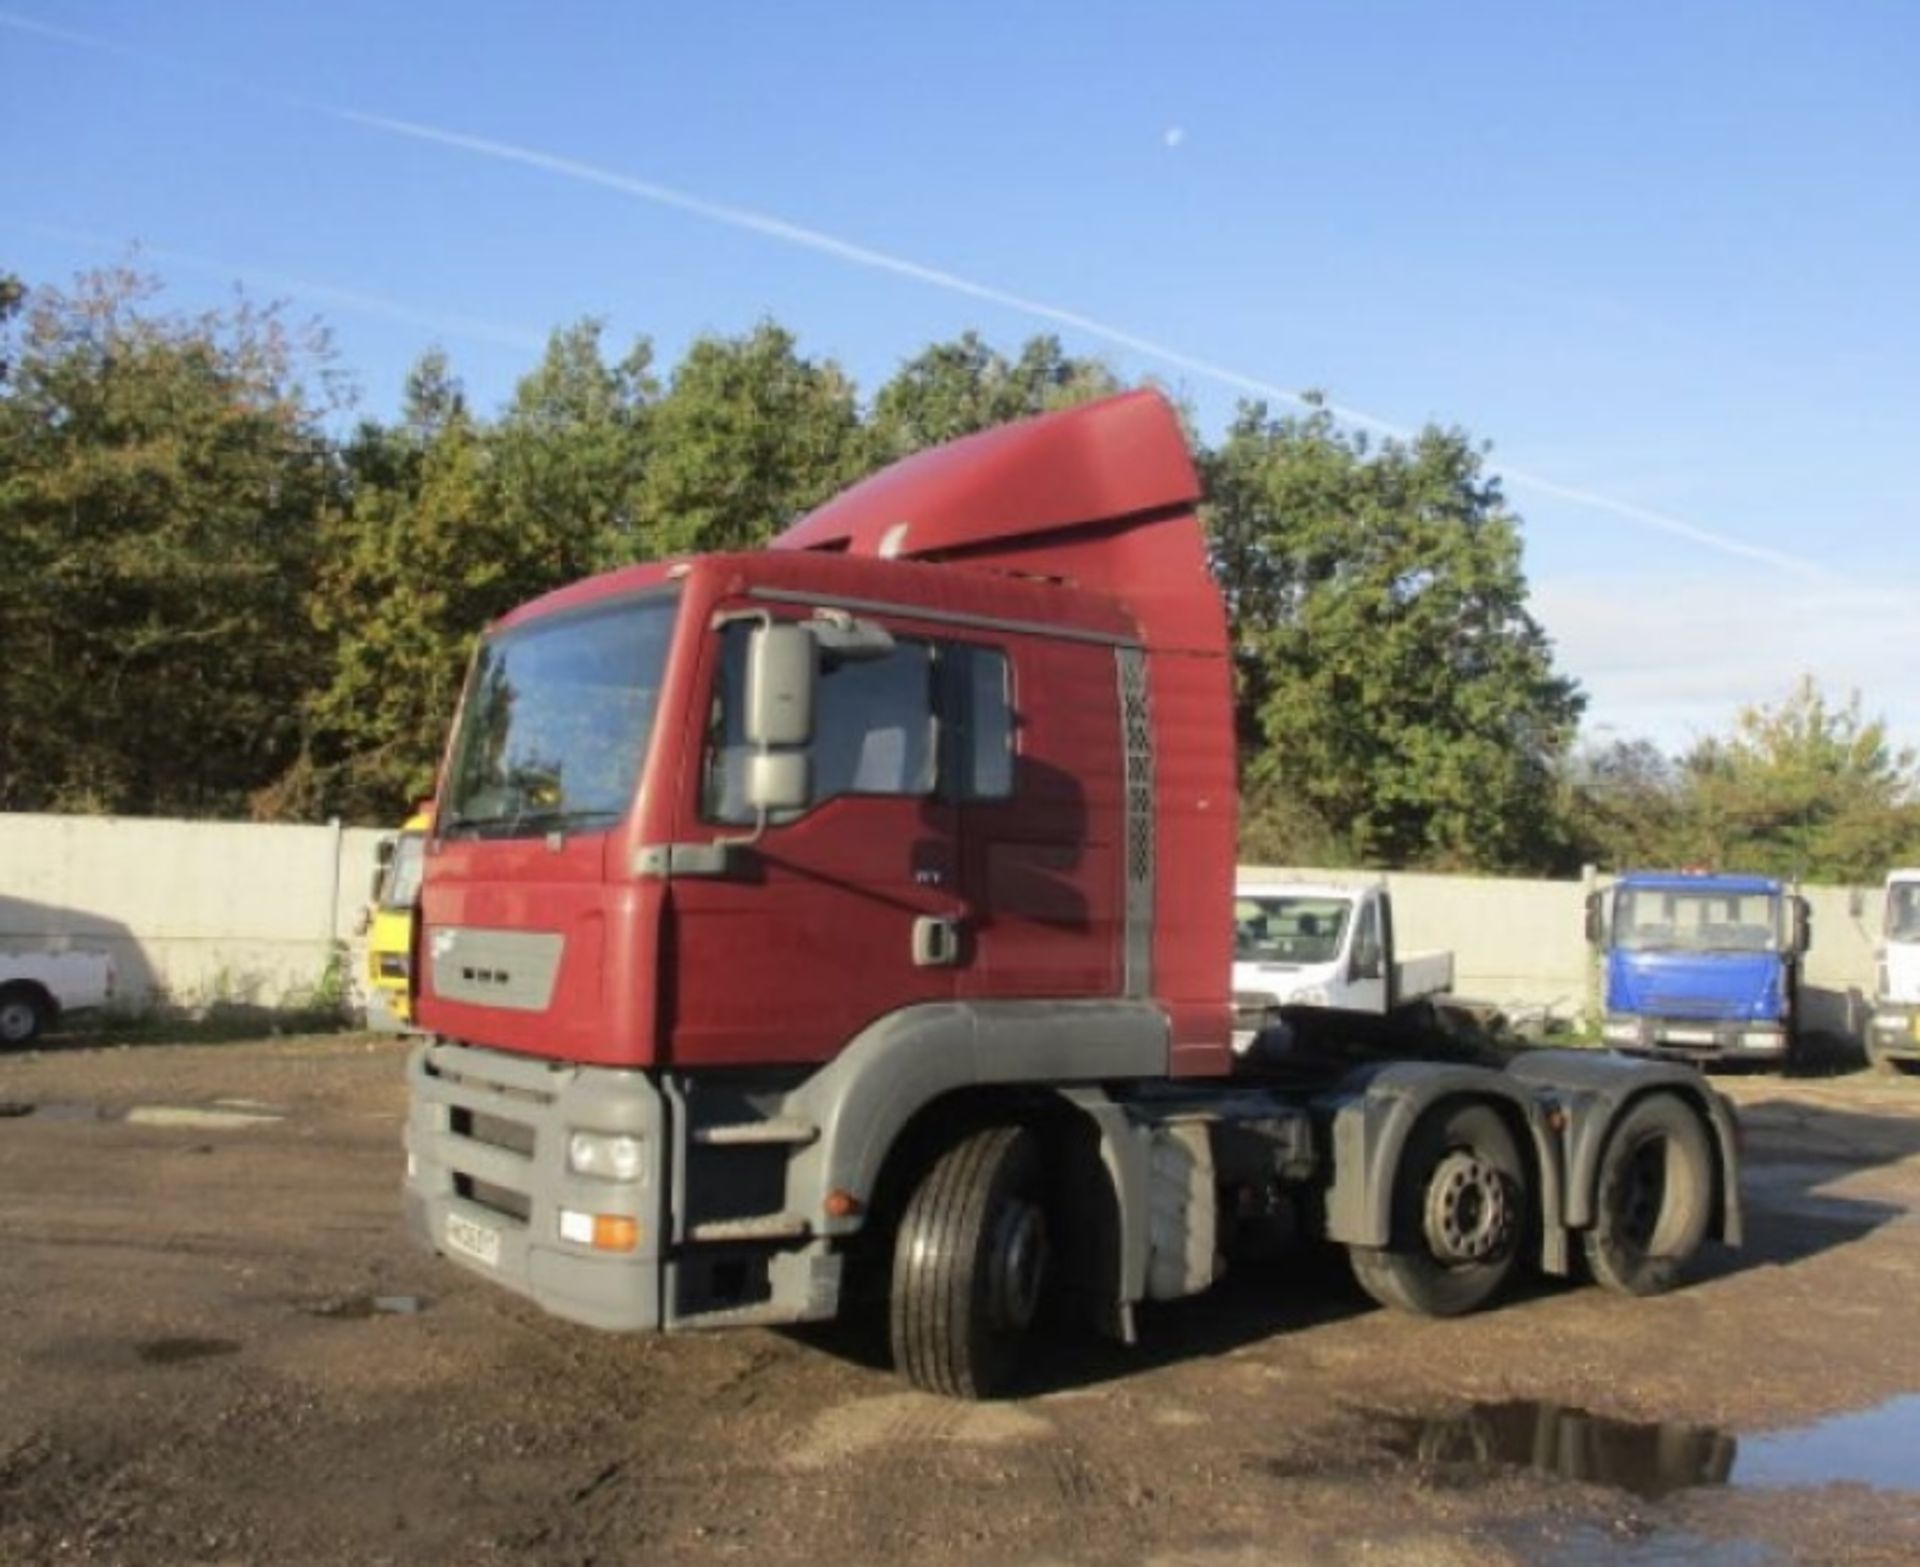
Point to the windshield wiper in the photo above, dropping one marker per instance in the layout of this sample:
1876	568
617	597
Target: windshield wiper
509	824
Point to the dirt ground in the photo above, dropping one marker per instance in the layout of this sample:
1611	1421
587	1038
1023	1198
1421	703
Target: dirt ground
206	1356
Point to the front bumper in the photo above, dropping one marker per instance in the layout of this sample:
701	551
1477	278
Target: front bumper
1697	1039
1894	1032
488	1181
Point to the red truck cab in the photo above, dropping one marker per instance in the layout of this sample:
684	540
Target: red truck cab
855	916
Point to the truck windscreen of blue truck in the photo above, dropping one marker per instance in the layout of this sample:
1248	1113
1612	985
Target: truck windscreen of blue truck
1647	920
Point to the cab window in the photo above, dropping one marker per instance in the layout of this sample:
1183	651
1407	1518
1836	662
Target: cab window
873	728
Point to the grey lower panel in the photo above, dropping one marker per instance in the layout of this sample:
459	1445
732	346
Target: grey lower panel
487	1178
896	1067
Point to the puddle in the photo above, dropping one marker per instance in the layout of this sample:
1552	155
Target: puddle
1589	1547
1877	1447
1649	1460
177	1351
354	1308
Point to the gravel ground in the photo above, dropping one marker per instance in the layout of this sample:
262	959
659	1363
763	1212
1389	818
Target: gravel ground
216	1346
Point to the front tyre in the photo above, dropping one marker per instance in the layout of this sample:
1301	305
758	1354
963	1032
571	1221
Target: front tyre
23	1016
1459	1211
970	1264
1654	1199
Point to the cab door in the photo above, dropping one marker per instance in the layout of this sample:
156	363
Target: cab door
1369	973
844	910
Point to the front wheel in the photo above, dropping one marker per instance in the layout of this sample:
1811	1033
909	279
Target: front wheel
23	1016
1459	1211
1654	1200
970	1264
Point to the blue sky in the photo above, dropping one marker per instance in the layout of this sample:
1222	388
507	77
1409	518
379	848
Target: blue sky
1663	257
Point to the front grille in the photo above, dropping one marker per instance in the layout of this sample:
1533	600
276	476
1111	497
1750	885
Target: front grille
495	1108
509	1204
493	1130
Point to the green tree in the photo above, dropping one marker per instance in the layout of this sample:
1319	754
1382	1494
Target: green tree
1624	804
160	480
956	388
1396	698
570	454
749	436
1805	788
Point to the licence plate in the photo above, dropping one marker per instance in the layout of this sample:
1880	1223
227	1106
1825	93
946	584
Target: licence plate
473	1240
1690	1036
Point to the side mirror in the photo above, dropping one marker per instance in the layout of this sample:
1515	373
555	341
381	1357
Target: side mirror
778	781
1856	902
1596	919
383	850
780	666
1802	934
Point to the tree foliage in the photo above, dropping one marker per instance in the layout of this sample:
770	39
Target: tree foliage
1807	787
749	436
161	477
1397	701
957	388
220	595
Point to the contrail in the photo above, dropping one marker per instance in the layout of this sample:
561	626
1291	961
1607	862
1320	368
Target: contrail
768	226
347	299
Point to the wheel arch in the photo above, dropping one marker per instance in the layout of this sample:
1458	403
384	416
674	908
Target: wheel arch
1597	1090
885	1099
1373	1116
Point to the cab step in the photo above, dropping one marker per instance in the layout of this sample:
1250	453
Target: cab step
781	1129
754	1227
766	1314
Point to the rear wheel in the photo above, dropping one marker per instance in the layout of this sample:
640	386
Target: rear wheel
23	1016
1654	1199
1459	1210
970	1265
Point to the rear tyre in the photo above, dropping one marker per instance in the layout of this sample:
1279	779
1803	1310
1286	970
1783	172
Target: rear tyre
23	1016
1460	1208
970	1265
1654	1198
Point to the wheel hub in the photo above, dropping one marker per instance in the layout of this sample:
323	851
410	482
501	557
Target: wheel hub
1469	1214
1019	1265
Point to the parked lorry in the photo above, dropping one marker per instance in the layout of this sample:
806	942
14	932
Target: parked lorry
400	861
37	989
1893	1039
1701	967
1322	944
844	926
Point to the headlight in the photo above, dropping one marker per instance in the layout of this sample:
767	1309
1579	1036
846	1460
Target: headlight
1767	1040
1309	996
612	1156
1623	1031
393	965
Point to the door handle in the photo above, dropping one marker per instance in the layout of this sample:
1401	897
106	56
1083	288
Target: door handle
936	941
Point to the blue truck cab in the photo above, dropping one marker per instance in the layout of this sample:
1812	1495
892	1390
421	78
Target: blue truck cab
1698	966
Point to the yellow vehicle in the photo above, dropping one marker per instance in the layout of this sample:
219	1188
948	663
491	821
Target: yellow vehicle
396	888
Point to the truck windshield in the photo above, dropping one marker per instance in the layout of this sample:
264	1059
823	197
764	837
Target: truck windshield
401	885
1288	929
1903	911
555	722
1654	920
